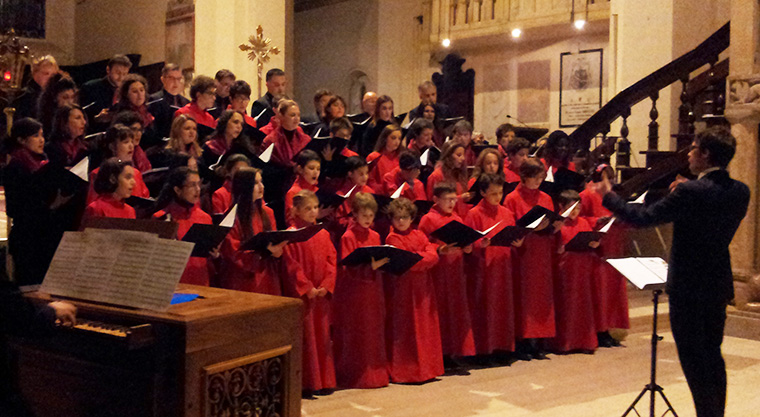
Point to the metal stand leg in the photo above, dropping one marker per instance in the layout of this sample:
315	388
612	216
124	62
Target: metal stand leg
652	387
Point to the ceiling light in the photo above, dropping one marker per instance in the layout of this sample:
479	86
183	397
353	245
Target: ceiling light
516	32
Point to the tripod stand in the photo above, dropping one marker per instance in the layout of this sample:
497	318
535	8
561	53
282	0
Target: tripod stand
652	387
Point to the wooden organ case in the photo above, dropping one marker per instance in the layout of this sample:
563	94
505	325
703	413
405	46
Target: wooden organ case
227	353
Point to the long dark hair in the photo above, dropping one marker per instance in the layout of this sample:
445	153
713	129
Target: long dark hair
47	104
60	132
177	178
450	172
242	195
380	101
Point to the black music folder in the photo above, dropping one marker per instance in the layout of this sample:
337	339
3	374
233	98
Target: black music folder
206	237
260	241
318	144
536	213
332	199
140	202
509	234
400	260
580	242
459	234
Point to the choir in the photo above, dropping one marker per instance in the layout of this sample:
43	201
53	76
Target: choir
363	327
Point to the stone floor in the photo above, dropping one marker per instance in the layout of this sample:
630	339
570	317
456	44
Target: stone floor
603	384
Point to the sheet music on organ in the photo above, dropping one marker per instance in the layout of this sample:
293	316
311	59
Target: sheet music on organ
120	267
643	272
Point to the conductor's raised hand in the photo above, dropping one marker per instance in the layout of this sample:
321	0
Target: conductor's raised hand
594	244
328	152
519	242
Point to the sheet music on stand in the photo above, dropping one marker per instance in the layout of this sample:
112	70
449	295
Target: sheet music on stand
120	267
643	272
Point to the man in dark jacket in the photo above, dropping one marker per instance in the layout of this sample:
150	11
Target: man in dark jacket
26	103
164	103
705	214
100	94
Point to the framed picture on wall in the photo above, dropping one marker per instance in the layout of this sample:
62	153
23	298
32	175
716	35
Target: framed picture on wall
580	86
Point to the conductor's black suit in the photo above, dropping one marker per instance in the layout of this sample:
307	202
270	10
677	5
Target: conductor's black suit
705	214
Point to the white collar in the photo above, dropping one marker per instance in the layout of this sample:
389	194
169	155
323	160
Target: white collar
707	171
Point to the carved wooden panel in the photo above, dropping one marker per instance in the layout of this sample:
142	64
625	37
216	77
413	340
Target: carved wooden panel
252	386
456	88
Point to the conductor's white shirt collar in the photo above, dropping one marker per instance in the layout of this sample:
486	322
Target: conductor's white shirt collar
707	171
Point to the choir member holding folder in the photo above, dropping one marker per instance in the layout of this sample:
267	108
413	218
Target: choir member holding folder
117	143
34	233
490	272
67	146
533	290
488	162
308	166
573	290
113	185
221	200
359	305
246	270
178	202
414	334
452	168
449	277
355	182
610	291
311	278
405	175
517	153
385	157
381	118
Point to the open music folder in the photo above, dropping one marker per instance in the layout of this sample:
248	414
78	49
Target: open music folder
643	272
119	267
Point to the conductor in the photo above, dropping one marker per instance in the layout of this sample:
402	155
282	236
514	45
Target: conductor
705	214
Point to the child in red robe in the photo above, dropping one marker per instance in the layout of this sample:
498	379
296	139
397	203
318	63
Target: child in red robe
308	167
449	278
180	198
385	157
359	306
490	273
414	335
573	289
488	162
517	154
534	280
221	201
610	290
118	143
113	186
452	167
250	270
311	277
356	180
405	175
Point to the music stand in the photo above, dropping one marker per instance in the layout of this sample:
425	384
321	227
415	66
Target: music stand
647	273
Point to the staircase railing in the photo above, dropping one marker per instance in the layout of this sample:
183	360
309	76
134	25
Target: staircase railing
649	87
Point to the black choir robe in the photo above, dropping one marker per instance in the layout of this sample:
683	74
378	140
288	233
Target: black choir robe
162	106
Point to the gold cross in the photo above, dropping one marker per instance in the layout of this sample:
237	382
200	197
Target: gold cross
259	51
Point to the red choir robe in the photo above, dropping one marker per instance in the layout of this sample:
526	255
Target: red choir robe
510	173
380	164
533	289
202	117
273	124
343	214
248	270
106	206
221	201
140	190
140	159
413	333
610	290
437	176
285	150
298	185
359	316
573	295
450	290
198	270
491	283
312	264
394	179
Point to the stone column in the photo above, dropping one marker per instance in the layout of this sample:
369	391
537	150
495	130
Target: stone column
743	112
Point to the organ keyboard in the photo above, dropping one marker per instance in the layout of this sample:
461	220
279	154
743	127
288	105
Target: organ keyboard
179	362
